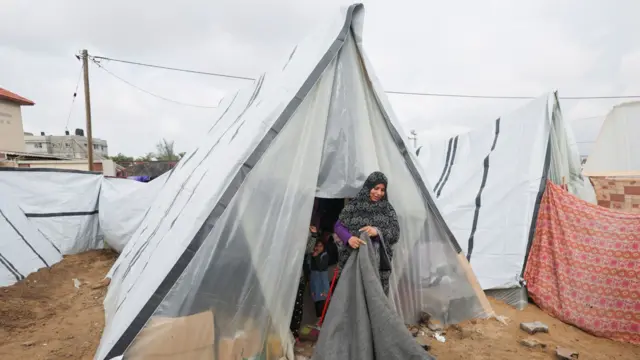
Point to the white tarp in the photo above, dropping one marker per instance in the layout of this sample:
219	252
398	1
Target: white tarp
62	204
23	249
123	204
617	149
222	231
491	180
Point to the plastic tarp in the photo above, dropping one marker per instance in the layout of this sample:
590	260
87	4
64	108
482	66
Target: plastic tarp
583	266
491	180
616	150
23	249
219	243
123	204
360	305
62	204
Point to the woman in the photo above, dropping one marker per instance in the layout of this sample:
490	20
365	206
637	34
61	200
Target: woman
370	212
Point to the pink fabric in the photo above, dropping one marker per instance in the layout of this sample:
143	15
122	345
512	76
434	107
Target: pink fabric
584	266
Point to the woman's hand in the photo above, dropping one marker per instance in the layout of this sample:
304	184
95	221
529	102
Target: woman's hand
370	230
355	242
313	229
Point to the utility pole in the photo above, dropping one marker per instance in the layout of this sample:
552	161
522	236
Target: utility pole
87	107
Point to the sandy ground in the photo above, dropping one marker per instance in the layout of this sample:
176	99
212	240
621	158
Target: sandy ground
46	317
490	339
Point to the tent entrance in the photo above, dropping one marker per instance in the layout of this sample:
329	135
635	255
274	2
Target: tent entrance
325	214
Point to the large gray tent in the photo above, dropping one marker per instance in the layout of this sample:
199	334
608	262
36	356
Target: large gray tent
215	263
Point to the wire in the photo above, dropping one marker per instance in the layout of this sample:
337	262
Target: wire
150	93
172	68
509	97
75	94
467	96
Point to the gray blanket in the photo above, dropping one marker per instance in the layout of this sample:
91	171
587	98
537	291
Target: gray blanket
360	322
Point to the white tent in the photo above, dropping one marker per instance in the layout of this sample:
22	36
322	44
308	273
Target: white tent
227	230
62	204
23	249
617	149
490	183
122	206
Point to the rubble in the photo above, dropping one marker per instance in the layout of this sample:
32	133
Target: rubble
435	327
532	343
534	327
566	354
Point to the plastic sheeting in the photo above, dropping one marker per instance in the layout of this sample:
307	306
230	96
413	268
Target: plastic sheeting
23	249
491	180
616	150
122	206
62	204
219	245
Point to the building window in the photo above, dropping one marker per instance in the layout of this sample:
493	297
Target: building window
37	145
67	145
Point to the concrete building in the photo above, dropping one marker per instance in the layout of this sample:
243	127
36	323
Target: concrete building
68	146
11	130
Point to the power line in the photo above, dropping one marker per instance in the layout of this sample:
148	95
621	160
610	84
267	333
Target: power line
508	97
150	93
409	93
172	68
75	94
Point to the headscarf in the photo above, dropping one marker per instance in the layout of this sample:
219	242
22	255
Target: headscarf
362	211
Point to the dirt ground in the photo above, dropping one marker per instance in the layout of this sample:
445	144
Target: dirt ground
46	317
490	339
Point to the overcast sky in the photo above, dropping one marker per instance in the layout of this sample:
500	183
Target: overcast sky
580	47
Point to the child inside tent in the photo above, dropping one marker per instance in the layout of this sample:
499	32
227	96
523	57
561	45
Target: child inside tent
319	276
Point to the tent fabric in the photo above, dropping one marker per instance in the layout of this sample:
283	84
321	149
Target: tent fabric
221	234
489	181
616	150
62	204
23	248
361	322
123	203
583	266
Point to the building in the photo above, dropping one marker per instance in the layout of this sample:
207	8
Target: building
11	133
68	146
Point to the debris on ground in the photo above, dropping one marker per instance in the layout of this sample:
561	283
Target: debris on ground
566	354
532	343
534	327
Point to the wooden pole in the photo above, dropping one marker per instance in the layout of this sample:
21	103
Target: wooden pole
87	108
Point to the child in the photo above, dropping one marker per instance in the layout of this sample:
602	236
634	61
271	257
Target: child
319	276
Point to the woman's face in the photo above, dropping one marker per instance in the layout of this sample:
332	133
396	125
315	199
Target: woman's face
377	193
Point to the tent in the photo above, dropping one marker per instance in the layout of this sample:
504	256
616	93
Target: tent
62	204
616	150
214	266
490	183
123	203
23	248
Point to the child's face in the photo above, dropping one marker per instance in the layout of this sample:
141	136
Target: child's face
319	247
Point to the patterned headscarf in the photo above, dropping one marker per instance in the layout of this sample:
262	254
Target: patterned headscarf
362	211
